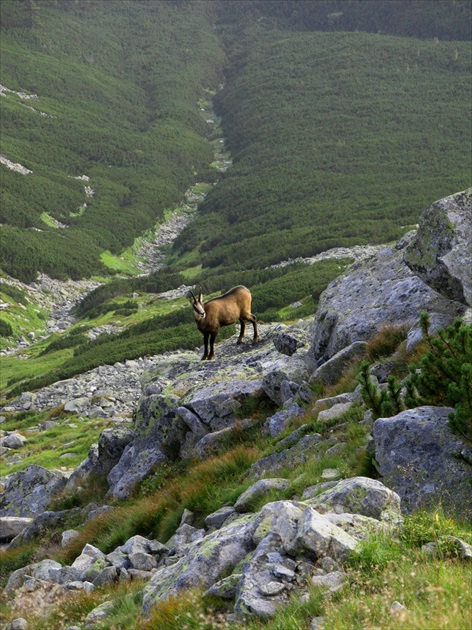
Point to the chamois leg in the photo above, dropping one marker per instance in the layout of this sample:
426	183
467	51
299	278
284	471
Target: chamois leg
206	335
212	345
242	331
254	324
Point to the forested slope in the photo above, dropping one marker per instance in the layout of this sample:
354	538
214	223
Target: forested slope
337	139
117	86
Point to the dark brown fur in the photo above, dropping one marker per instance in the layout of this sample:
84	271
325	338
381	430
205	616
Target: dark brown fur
223	311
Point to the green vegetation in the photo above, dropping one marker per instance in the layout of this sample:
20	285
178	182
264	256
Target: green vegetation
123	111
383	402
20	316
337	139
72	438
5	329
443	376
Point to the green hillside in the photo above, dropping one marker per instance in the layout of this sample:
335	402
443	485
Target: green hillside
117	86
337	139
341	131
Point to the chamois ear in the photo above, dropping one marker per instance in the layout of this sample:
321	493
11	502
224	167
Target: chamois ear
200	296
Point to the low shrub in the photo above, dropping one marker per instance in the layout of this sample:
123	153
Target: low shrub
5	329
443	376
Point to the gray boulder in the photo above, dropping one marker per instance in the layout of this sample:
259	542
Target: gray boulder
207	561
331	582
260	592
379	291
216	519
279	518
359	495
329	372
261	488
333	412
136	463
326	403
68	536
45	521
358	526
441	253
111	445
83	470
289	340
217	404
276	424
210	442
102	456
279	376
419	457
14	440
319	537
11	526
38	571
29	492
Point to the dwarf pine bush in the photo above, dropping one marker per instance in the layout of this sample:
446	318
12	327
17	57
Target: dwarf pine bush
383	402
443	376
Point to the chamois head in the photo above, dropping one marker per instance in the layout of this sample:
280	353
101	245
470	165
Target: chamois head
197	304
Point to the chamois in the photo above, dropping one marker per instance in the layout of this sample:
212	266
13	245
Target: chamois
223	311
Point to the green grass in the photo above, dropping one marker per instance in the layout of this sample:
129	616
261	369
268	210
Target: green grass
22	314
44	448
125	262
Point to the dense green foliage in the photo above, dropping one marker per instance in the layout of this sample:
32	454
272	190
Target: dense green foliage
117	101
5	329
444	374
337	139
382	402
415	18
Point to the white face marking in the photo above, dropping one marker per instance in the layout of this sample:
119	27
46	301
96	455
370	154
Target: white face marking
199	310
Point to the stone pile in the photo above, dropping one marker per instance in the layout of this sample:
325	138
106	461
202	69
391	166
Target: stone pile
104	392
256	559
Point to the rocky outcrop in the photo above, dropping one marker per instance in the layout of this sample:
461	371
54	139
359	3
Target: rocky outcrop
441	252
188	408
328	373
369	295
103	456
11	526
359	495
257	560
29	493
419	457
189	405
